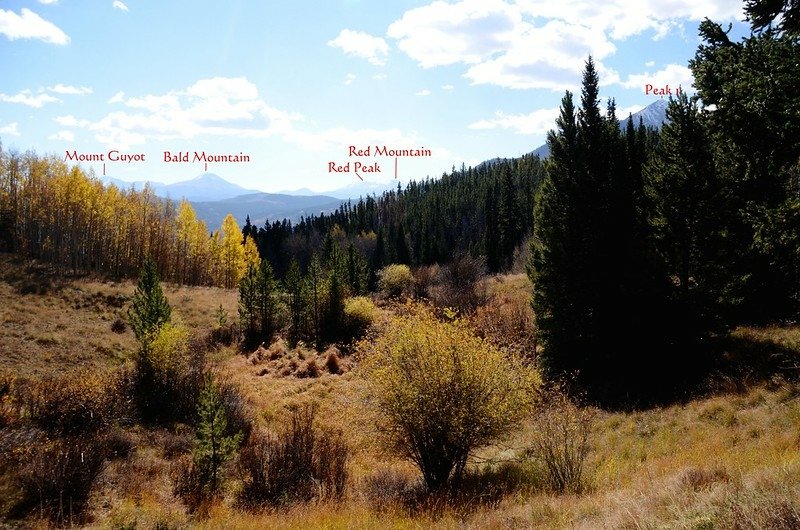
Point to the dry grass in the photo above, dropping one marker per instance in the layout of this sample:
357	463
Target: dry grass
48	325
729	460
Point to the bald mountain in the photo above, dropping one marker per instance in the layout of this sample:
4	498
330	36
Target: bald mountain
205	187
261	207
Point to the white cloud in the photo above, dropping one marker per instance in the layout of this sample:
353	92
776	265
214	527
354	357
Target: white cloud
70	90
423	92
621	19
349	79
468	32
539	43
379	77
447	88
26	97
66	136
71	121
29	25
10	129
562	50
673	75
537	122
119	5
363	45
218	106
48	2
650	64
226	107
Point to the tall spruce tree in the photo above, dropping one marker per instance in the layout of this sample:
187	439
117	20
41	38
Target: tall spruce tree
315	293
508	218
294	288
754	131
248	314
266	304
595	291
681	188
150	309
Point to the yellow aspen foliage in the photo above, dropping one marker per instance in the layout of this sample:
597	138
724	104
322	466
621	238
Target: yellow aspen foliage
65	216
233	264
251	256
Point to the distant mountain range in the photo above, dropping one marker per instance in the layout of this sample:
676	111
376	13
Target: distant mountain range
264	206
205	187
214	197
654	115
351	191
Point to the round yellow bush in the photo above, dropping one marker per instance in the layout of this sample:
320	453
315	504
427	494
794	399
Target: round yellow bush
443	392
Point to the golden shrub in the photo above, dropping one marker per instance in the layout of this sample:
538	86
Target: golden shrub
444	392
395	280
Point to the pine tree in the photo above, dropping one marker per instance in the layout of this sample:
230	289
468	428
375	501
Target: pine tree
681	188
333	311
356	269
248	308
401	253
294	288
315	291
595	291
213	446
508	218
150	309
491	244
266	304
763	14
754	134
557	268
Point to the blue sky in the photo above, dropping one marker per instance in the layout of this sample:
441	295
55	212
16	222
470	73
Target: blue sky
292	84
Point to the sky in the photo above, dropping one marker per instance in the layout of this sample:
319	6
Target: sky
292	85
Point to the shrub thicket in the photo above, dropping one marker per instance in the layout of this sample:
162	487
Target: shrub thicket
561	442
298	464
359	314
443	392
395	280
56	478
168	376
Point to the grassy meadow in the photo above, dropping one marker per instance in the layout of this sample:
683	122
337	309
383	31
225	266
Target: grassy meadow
728	457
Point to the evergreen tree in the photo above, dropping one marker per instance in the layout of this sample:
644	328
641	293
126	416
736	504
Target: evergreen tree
558	257
150	309
596	292
401	253
266	304
755	137
248	230
491	245
356	267
508	218
248	312
681	187
315	288
294	288
333	311
763	14
213	446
